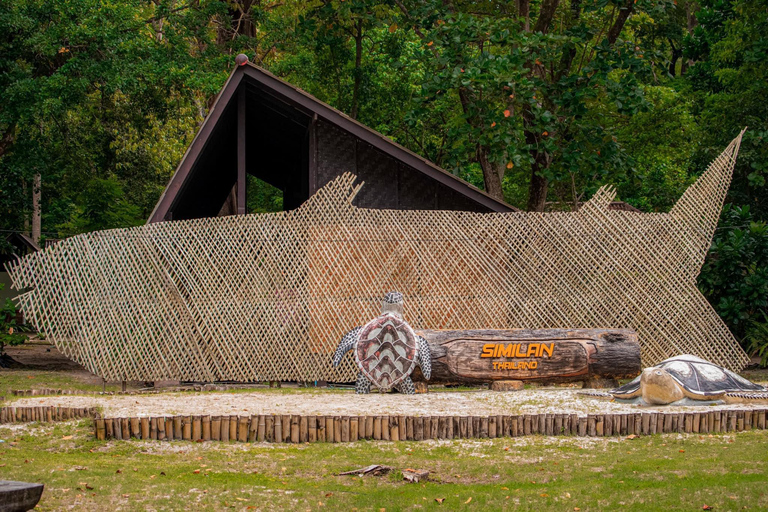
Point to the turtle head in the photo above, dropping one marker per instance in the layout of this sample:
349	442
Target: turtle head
659	387
393	303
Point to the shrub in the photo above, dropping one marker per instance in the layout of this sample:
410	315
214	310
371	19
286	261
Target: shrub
9	334
734	277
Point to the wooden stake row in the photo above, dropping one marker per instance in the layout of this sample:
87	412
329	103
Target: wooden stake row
43	413
290	428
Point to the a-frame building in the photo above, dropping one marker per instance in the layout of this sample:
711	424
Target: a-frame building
263	126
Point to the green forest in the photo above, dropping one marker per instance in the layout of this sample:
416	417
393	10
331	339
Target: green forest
539	102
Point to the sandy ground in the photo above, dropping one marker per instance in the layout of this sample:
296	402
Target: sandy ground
310	402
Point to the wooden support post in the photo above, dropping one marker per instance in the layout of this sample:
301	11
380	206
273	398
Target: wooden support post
241	149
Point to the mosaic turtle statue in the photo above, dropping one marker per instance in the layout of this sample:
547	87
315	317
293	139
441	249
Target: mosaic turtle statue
386	350
689	380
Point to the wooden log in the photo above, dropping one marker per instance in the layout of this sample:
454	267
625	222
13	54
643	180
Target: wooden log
145	428
109	429
312	429
492	427
409	431
394	430
233	421
153	428
385	428
402	436
418	428
177	434
224	429
125	426
197	428
433	427
295	429
321	437
599	425
591	425
330	432
278	436
216	428
269	428
101	430
169	434
253	428
354	433
304	429
286	428
344	429
186	428
135	426
369	427
337	437
552	355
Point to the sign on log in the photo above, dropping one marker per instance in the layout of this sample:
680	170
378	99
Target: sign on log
550	355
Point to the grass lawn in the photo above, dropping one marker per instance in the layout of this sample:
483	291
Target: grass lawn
665	472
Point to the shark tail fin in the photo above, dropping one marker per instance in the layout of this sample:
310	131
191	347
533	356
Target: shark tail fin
698	210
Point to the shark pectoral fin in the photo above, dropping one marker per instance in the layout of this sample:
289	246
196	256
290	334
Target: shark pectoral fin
600	201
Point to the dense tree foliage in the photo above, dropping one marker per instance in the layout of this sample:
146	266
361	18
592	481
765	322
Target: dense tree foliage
538	101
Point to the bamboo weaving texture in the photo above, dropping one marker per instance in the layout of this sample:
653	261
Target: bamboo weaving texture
269	296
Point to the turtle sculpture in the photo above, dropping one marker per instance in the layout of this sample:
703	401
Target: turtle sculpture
688	380
386	350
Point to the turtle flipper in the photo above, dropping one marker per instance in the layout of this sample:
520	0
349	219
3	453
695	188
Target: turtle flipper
406	387
363	385
425	358
347	343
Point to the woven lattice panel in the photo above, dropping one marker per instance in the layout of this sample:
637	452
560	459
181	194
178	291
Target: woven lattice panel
268	297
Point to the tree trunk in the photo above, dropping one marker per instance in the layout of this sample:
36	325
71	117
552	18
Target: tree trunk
537	189
358	63
36	209
491	174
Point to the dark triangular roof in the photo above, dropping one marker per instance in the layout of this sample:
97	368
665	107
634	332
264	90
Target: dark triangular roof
261	82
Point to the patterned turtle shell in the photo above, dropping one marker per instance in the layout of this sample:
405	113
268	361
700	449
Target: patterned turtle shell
698	377
386	350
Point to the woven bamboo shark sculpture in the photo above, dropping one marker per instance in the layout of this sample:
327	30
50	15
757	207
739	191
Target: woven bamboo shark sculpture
268	296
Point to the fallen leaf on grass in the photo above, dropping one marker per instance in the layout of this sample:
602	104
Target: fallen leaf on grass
67	437
328	494
468	500
439	500
505	488
682	451
197	471
126	495
631	436
544	495
706	507
567	495
118	471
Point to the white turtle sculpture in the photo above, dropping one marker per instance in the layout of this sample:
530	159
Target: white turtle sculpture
386	350
688	380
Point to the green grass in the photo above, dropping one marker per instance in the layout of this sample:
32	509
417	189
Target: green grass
672	472
35	379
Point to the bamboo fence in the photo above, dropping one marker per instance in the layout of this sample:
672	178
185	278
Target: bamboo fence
269	296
